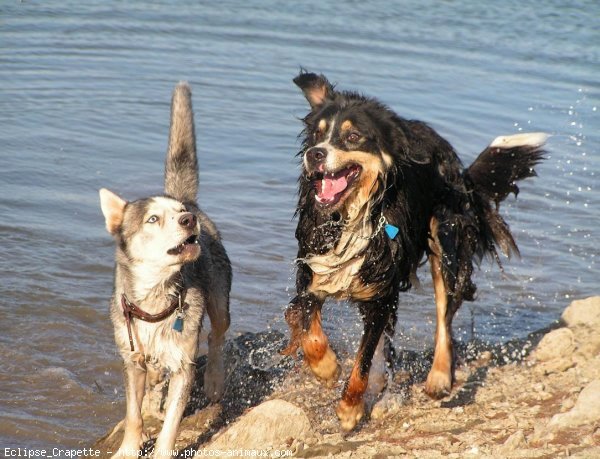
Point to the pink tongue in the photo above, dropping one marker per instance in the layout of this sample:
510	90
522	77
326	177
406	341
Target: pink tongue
332	186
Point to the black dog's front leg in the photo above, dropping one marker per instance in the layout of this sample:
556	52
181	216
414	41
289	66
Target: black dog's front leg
300	309
303	316
377	315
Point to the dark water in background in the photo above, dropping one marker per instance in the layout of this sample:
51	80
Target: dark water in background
84	103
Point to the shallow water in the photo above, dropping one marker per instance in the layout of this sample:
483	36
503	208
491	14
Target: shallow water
84	103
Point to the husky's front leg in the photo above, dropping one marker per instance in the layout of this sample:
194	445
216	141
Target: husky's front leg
135	381
180	385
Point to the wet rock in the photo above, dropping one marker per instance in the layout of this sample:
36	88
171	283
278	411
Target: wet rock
554	353
585	411
254	368
583	312
271	424
556	344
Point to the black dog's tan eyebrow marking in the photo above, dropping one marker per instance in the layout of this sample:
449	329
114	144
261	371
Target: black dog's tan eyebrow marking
325	130
347	126
322	126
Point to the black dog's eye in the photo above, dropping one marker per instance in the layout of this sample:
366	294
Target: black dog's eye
353	137
152	219
318	135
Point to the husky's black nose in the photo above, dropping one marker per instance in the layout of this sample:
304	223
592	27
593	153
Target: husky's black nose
316	155
187	220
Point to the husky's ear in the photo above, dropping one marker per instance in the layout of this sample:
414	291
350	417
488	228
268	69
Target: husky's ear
315	87
113	208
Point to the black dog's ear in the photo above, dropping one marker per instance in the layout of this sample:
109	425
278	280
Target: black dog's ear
315	87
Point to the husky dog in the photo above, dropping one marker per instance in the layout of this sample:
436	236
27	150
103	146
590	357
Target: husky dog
170	268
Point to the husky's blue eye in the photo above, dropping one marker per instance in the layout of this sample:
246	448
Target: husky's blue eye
152	219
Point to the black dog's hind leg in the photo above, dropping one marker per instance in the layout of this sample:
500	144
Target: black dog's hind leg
303	316
376	317
439	379
451	245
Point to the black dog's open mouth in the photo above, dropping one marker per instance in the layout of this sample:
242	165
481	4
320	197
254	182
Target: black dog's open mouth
331	186
193	239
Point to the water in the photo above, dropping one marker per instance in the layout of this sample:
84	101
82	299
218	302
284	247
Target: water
84	103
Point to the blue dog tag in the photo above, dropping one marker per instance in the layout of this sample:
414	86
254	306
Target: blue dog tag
178	324
391	231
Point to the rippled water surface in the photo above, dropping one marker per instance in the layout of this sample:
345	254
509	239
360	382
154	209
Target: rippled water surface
84	103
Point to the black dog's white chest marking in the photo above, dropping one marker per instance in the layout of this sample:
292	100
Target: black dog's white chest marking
335	273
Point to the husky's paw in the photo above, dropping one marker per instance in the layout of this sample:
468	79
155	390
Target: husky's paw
350	415
214	380
438	384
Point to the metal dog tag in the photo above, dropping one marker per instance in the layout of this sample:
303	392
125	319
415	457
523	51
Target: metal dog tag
178	324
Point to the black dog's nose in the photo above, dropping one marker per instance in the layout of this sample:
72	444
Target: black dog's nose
187	220
316	155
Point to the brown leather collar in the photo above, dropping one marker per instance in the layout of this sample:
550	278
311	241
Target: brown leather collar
130	310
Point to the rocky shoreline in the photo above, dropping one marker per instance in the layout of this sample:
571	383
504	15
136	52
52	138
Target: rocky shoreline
534	397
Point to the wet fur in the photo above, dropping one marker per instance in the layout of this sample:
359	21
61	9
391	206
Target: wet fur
418	183
150	278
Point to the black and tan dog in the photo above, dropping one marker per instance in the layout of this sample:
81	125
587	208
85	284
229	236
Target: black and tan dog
171	269
378	193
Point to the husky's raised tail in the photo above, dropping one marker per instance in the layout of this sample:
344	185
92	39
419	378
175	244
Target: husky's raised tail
181	166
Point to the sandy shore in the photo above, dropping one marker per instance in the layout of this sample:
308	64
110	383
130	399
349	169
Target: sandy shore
536	397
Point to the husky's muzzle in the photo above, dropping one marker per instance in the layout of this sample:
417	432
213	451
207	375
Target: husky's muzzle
188	221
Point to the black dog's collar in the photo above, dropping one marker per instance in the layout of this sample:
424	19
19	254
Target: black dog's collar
391	230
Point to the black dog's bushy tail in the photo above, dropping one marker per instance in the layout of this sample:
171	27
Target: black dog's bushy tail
181	166
493	176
